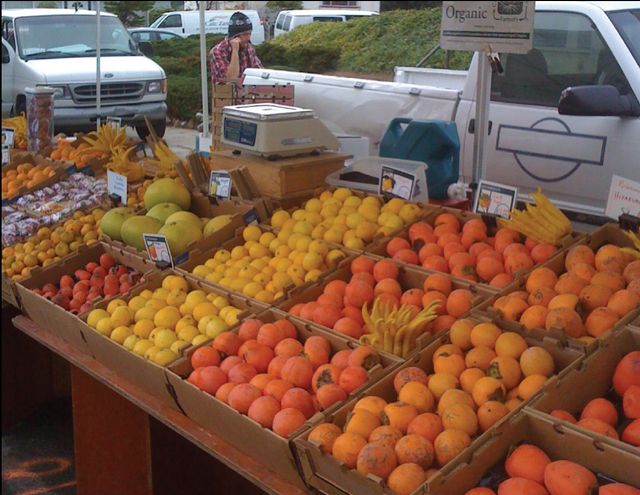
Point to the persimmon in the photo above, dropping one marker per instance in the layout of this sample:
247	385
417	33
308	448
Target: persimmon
527	461
416	449
406	479
377	459
386	435
288	420
566	477
325	435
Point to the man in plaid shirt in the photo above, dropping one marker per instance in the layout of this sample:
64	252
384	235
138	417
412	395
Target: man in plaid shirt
230	57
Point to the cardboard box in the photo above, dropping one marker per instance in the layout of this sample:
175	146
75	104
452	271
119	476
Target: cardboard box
55	318
139	371
9	291
247	435
607	234
280	178
19	158
408	277
322	471
590	380
560	443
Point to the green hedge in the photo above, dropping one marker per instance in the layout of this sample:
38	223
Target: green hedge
183	96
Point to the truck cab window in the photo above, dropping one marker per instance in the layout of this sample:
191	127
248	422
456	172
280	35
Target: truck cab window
287	23
567	51
172	21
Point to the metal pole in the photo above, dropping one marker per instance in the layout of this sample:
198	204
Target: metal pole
483	95
203	74
98	90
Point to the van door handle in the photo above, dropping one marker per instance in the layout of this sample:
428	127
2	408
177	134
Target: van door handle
472	126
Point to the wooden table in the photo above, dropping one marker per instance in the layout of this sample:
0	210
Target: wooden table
127	441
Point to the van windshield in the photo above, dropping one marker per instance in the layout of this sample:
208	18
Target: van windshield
71	36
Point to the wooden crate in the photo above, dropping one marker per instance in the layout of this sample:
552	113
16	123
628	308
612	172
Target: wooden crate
281	178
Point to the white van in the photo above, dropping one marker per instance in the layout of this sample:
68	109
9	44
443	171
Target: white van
290	19
187	22
57	47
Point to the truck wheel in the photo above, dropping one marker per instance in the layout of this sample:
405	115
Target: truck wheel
160	126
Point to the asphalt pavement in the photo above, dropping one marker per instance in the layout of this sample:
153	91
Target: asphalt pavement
181	141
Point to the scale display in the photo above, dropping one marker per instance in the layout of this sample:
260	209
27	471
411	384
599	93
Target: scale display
239	131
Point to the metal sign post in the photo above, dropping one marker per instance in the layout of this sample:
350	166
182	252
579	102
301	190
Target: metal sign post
486	27
98	90
203	74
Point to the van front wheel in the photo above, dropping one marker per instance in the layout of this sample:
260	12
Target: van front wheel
160	126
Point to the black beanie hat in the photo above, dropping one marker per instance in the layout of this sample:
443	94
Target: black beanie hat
238	24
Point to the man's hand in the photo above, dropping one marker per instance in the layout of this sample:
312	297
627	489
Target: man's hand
235	44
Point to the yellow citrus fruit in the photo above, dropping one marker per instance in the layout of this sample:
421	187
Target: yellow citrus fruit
163	357
164	338
120	333
140	348
121	316
143	328
167	317
204	309
313	276
136	303
178	346
200	339
147	294
172	282
176	297
116	303
265	296
104	327
188	333
95	316
130	342
251	233
222	255
156	304
146	313
151	352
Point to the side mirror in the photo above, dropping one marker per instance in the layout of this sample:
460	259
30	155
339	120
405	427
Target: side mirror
604	101
146	48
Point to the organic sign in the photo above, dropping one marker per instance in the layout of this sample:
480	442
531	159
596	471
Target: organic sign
505	27
117	186
220	184
495	199
624	197
158	249
397	183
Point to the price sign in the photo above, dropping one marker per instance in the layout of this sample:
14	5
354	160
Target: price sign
220	184
8	134
495	199
117	186
397	183
5	156
624	197
158	249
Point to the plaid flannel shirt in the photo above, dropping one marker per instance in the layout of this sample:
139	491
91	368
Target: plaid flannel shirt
220	57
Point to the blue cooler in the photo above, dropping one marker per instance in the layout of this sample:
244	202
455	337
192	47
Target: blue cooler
434	142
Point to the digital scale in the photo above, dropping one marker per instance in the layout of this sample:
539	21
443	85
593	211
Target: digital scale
274	131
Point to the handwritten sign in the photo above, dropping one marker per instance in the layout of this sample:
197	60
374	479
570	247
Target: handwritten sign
158	249
396	183
495	199
220	184
117	186
624	197
8	134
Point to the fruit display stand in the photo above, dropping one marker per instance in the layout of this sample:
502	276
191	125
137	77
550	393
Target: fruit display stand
482	465
48	314
33	160
607	234
591	380
244	433
281	178
408	278
137	369
329	475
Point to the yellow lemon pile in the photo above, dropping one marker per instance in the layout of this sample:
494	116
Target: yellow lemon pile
160	324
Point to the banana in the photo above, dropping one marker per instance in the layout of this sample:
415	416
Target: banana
19	126
633	252
633	237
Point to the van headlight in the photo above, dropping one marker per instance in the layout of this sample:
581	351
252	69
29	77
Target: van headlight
157	86
61	91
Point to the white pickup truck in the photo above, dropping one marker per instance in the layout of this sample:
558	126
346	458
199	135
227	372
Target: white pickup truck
572	153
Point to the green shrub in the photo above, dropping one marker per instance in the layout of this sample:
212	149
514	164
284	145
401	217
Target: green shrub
183	96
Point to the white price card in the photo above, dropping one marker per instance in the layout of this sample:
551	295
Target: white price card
158	249
5	156
495	199
8	134
396	183
624	197
220	184
117	186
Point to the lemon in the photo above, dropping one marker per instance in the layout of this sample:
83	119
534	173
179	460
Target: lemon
222	255
349	234
296	271
178	346
232	317
252	288
341	194
121	316
318	232
303	244
199	339
164	357
130	342
369	212
311	261
329	211
156	304
116	303
195	297
164	338
226	282
265	296
266	238
143	328
409	212
355	243
258	264
279	218
238	253
371	201
274	245
160	293
214	277
269	271
283	265
136	303
283	236
333	235
299	259
314	218
187	333
173	282
325	195
251	233
151	352
202	324
146	313
334	257
289	224
215	327
140	348
258	251
104	326
366	231
201	271
347	210
352	201
312	276
167	317
176	297
283	251
238	284
204	309
220	302
393	222
212	263
120	333
354	220
95	316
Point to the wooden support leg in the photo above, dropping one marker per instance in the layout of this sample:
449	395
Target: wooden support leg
112	440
